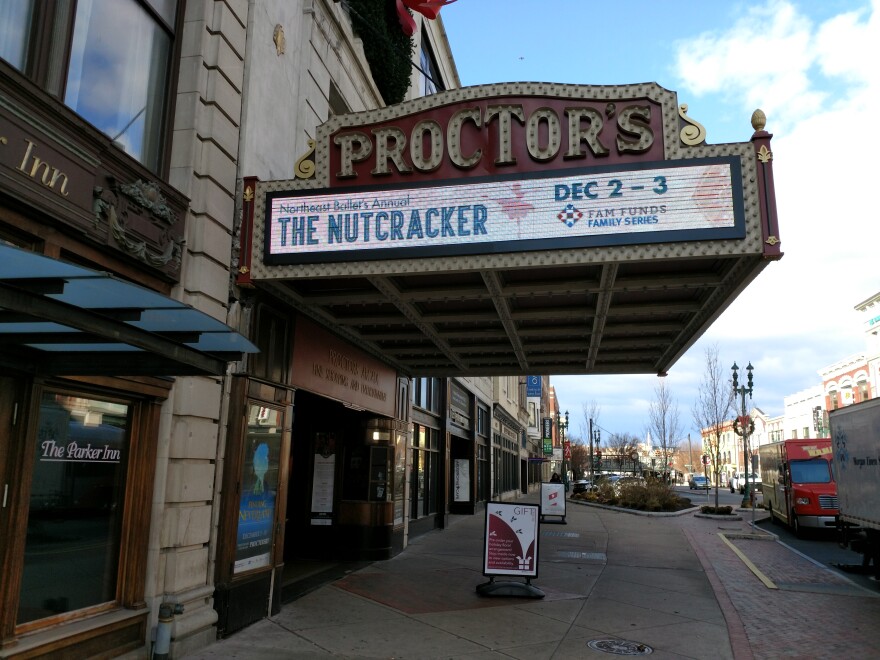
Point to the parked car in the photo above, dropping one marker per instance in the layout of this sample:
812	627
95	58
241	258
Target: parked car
698	482
737	482
581	486
610	479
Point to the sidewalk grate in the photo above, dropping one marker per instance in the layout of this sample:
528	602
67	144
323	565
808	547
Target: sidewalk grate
568	554
562	535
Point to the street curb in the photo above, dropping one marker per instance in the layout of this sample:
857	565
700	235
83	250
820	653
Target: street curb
718	516
636	512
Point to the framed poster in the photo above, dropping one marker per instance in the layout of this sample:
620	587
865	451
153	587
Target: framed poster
323	476
256	515
511	539
461	482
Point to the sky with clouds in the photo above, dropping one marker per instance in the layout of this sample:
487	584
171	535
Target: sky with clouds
812	67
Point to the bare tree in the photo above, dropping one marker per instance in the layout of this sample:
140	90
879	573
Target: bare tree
712	409
621	447
664	423
580	458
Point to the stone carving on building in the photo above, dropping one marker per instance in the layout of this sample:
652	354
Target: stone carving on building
140	222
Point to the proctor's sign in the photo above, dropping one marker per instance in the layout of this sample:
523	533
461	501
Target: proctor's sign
507	169
493	136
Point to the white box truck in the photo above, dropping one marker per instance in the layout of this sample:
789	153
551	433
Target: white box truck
855	434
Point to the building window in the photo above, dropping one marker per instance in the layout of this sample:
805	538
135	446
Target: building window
483	493
337	104
533	414
864	394
505	456
426	394
834	402
109	61
482	421
430	81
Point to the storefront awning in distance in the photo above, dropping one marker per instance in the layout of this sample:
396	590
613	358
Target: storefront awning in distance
58	318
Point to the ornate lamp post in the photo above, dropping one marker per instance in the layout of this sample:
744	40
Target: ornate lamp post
595	438
562	426
744	426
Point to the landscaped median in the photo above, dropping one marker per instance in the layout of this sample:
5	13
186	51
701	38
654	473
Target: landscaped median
650	497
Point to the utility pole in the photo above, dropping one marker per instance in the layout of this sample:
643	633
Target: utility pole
690	453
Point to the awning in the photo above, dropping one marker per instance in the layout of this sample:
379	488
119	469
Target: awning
58	318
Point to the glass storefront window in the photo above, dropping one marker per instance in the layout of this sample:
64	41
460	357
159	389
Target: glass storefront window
425	470
76	500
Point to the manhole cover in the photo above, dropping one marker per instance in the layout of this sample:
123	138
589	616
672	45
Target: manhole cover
598	556
562	535
619	647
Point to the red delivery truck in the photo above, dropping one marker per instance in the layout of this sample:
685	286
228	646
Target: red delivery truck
798	483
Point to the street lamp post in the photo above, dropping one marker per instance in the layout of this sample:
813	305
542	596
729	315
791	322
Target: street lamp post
562	426
744	426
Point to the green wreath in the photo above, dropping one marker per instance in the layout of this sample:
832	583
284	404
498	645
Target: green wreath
389	51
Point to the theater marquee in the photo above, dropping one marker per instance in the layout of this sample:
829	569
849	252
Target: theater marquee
699	199
523	228
505	169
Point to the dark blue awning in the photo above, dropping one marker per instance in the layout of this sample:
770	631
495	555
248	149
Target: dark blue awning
58	318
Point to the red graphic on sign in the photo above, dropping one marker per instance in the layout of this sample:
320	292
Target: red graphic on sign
505	551
712	195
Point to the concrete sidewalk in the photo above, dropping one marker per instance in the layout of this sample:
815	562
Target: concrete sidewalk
615	583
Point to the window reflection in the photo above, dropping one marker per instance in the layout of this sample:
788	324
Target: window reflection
75	506
118	72
15	22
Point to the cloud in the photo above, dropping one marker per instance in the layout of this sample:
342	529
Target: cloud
846	45
819	87
761	61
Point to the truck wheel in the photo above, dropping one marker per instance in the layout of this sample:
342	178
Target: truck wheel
796	526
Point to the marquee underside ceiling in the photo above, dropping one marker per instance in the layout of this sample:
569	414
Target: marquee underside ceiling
606	318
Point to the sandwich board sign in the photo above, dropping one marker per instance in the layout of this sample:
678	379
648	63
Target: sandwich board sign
511	549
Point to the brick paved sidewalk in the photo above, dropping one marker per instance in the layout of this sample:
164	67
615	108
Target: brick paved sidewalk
813	612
